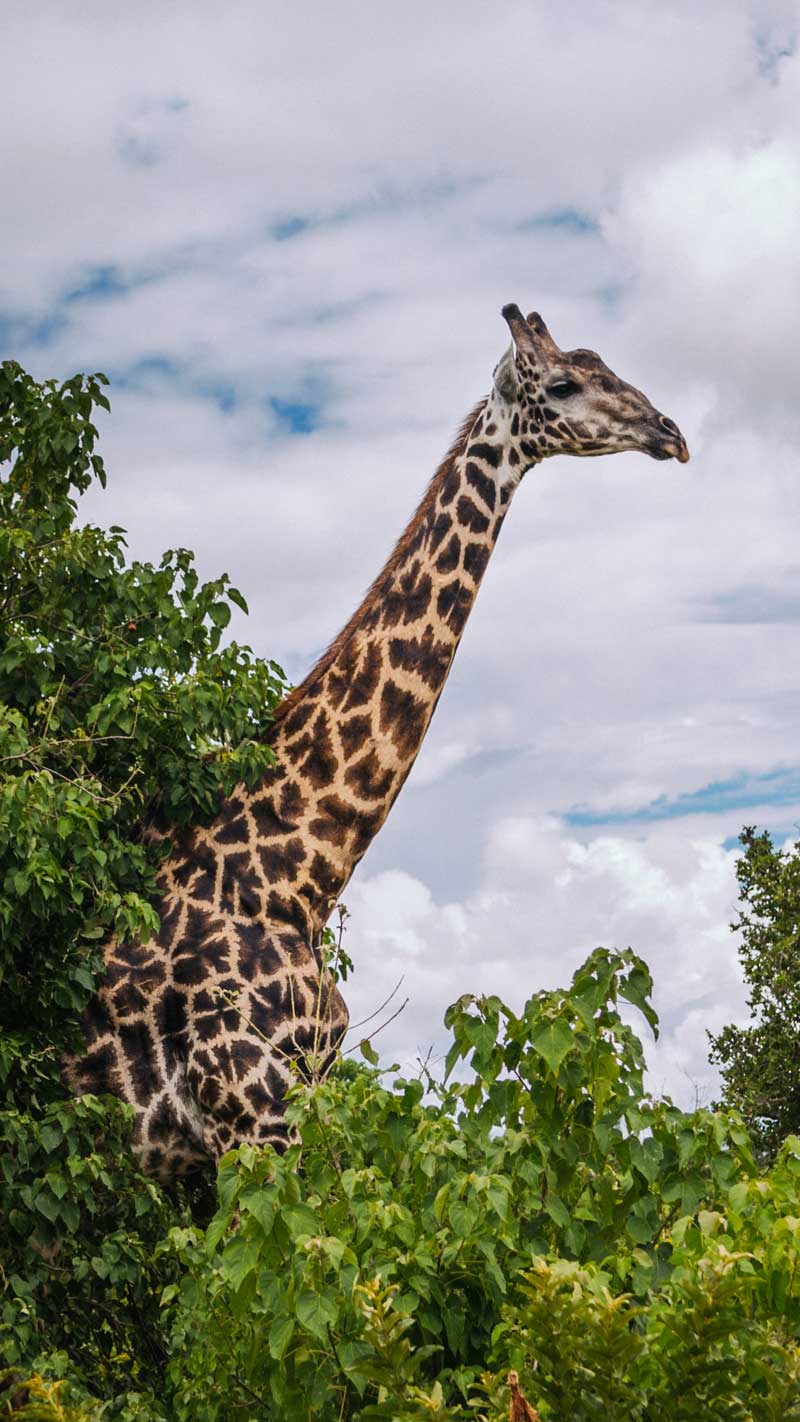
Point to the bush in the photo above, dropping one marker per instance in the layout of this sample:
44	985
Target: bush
626	1258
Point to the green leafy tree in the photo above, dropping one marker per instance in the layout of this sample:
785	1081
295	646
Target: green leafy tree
760	1063
423	1239
121	714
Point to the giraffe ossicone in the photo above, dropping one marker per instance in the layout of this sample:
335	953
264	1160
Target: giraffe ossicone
202	1028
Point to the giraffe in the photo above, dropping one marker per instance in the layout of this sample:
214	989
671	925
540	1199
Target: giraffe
202	1028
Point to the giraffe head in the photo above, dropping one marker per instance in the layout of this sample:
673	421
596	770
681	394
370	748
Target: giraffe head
572	403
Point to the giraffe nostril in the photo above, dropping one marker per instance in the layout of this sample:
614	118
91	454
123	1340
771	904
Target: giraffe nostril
669	425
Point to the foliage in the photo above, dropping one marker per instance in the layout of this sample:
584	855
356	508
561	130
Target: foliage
40	1399
420	1239
116	698
121	713
760	1063
626	1258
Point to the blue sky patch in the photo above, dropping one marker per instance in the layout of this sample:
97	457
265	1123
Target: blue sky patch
98	284
20	331
566	219
297	416
772	47
754	604
159	367
222	392
741	792
386	199
164	371
23	330
288	227
612	294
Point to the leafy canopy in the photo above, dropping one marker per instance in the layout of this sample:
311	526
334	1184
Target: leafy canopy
760	1063
121	713
545	1215
118	705
423	1238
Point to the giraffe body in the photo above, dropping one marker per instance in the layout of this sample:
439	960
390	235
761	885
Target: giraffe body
199	1028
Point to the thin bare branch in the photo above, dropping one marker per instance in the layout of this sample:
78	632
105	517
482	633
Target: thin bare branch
379	1029
385	1003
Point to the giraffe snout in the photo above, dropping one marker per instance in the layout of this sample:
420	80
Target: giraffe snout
668	442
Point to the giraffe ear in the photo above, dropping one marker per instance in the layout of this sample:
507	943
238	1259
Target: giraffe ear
506	382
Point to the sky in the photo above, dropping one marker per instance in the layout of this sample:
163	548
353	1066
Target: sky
286	233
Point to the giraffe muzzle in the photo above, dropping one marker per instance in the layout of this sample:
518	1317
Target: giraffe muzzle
674	446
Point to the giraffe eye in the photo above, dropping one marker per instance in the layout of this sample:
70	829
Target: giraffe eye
562	389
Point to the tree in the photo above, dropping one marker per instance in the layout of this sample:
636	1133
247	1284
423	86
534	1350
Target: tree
760	1063
121	713
118	704
543	1217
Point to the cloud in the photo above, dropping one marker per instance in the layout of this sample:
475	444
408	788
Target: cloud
288	245
542	901
145	136
713	235
231	130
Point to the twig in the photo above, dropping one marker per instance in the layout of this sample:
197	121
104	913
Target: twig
379	1029
256	1397
51	709
385	1003
67	741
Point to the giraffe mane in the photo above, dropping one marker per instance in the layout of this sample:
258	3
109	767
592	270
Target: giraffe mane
394	561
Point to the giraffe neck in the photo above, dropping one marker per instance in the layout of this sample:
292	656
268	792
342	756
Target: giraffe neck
347	737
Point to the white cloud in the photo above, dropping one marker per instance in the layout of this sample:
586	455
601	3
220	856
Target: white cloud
712	236
543	899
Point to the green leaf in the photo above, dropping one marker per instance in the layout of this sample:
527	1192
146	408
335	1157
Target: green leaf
220	614
239	1258
301	1220
256	1201
316	1311
280	1336
51	1137
647	1156
552	1040
48	1206
71	1214
368	1051
57	1184
637	989
354	1354
236	596
463	1217
557	1211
